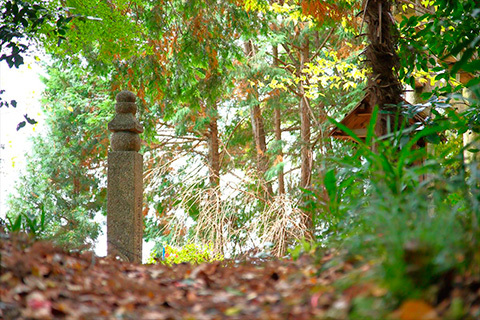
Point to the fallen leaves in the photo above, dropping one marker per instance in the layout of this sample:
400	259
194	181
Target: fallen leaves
39	281
37	306
416	310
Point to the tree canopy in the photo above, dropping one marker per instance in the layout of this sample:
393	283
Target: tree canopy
239	99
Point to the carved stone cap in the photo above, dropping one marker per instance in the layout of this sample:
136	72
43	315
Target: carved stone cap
126	96
125	126
126	102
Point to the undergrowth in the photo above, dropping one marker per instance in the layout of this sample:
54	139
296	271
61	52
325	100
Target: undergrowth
191	253
413	214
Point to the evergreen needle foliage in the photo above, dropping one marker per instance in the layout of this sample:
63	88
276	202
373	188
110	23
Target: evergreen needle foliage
235	98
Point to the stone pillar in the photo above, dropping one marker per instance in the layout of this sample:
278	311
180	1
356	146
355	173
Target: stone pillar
125	182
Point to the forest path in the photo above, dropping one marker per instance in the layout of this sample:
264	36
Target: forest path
40	281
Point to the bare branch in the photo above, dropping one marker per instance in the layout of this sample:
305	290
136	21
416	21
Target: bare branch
323	44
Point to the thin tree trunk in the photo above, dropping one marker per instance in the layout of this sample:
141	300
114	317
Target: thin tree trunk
214	177
259	135
261	146
280	246
213	152
306	148
278	134
306	151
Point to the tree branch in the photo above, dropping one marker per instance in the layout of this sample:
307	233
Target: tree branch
323	44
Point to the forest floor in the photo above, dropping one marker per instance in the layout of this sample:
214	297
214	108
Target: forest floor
40	281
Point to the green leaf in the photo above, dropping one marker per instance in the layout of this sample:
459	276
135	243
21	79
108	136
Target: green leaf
372	125
463	60
21	125
29	120
32	224
472	67
433	138
347	130
15	226
42	217
473	82
330	182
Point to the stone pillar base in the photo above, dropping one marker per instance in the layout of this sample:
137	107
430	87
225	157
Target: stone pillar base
124	205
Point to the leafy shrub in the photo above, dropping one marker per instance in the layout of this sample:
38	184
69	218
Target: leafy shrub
305	248
32	224
191	253
419	221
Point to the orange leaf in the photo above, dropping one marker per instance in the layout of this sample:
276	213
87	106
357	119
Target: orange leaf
145	211
416	310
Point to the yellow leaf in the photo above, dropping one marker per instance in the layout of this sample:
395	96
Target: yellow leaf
422	80
70	109
232	311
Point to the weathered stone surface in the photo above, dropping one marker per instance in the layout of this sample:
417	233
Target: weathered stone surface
125	189
125	107
125	141
125	122
126	96
124	205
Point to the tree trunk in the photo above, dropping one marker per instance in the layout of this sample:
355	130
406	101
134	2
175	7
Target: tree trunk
383	85
261	147
305	123
216	218
306	151
278	134
259	136
213	153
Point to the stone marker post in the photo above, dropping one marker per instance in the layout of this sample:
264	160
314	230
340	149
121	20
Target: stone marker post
125	182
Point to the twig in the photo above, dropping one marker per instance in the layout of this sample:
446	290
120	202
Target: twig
322	45
363	17
287	50
379	30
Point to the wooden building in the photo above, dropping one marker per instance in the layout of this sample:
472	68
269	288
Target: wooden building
358	120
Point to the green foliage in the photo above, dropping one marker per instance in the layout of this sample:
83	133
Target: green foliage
21	21
186	62
444	31
34	225
451	149
191	253
419	221
305	248
63	188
